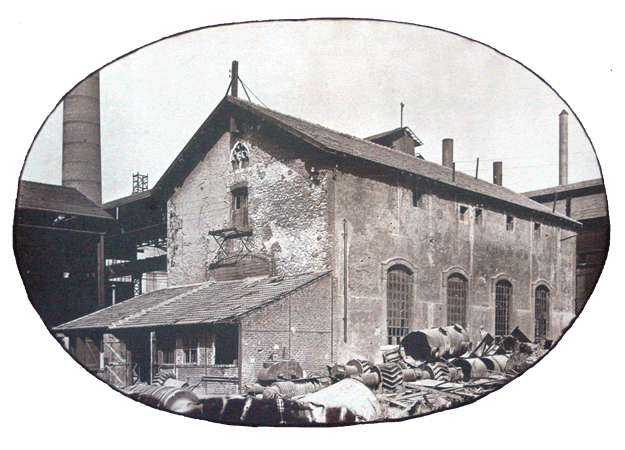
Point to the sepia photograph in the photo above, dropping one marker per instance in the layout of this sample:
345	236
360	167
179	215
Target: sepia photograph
312	223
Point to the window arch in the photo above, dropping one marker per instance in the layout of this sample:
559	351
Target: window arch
457	286
541	312
398	302
503	302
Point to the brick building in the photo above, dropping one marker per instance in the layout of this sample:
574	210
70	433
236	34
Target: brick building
373	241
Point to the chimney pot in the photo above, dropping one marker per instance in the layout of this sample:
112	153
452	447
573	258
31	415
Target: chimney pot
448	153
498	173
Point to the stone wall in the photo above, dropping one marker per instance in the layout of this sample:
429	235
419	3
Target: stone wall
287	212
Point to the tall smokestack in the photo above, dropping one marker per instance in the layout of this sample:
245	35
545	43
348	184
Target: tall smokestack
498	173
448	153
564	148
82	167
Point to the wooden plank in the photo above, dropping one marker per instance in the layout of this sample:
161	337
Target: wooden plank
456	396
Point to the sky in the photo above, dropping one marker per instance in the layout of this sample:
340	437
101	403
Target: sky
350	76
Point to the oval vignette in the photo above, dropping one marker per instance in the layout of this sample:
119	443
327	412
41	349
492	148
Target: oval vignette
345	198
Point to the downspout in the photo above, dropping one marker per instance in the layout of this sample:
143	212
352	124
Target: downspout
345	280
240	351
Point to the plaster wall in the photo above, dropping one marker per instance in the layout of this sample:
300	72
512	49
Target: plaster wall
384	228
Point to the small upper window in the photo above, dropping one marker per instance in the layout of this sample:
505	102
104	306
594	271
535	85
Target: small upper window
416	197
537	228
239	208
479	217
463	213
509	223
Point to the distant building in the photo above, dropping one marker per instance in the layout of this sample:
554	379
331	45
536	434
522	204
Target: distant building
58	242
585	202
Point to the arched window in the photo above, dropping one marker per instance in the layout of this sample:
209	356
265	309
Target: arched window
503	300
240	156
457	299
399	302
541	312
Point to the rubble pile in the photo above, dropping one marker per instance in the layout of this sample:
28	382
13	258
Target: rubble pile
431	370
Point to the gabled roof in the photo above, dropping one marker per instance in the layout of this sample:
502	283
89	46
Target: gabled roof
334	142
200	303
57	199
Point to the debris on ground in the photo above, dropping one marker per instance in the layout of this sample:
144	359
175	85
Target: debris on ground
431	370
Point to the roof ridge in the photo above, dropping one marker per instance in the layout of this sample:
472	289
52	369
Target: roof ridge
351	136
158	305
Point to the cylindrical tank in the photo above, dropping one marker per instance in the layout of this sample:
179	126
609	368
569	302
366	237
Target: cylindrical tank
472	367
289	389
447	342
81	139
163	397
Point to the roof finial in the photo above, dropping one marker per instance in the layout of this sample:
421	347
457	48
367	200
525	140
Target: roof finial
401	118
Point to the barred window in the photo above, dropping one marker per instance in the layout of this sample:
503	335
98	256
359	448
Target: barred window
457	300
399	303
541	312
503	300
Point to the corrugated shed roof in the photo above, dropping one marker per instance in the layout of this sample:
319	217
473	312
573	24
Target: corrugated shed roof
57	199
193	304
335	141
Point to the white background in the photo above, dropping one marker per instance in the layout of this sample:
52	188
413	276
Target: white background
572	399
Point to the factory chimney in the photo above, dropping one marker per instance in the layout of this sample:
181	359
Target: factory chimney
564	148
81	139
448	153
498	173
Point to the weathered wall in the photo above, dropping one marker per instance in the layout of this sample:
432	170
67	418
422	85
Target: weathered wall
297	327
383	226
288	214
